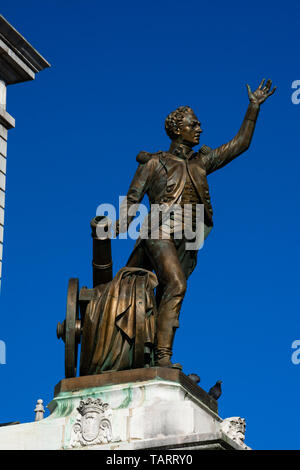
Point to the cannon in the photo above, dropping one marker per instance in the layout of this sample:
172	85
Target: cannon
70	330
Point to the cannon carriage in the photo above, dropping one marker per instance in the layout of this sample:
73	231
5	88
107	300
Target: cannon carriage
115	321
70	330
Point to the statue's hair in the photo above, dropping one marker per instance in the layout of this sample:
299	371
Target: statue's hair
174	120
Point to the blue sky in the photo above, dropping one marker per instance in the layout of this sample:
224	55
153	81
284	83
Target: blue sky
118	68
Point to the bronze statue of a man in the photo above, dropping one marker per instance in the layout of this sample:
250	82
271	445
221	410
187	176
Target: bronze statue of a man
179	176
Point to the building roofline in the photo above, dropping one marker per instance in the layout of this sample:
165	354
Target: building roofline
21	47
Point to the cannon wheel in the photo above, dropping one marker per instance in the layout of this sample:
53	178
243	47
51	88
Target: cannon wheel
72	329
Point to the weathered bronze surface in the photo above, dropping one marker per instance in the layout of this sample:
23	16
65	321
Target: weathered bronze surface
70	329
121	325
102	260
119	322
115	321
175	176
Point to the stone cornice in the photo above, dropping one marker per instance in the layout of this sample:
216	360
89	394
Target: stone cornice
6	119
19	61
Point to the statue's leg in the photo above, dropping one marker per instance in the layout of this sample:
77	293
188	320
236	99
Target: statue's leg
172	281
139	258
188	258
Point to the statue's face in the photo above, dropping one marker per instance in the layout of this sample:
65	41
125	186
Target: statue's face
190	129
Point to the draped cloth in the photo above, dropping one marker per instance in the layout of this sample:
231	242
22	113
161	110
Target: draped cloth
119	319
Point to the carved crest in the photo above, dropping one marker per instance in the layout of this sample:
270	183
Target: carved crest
93	424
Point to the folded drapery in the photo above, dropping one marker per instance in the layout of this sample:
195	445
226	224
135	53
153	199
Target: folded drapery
119	322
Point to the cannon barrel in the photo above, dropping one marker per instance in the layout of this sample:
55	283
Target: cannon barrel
102	260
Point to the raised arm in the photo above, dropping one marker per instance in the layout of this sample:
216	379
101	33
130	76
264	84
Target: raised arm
222	155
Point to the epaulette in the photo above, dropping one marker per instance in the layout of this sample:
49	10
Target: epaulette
144	157
205	150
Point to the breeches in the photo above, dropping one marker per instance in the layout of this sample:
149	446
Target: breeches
173	265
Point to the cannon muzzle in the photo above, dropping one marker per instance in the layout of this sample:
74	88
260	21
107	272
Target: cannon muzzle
102	260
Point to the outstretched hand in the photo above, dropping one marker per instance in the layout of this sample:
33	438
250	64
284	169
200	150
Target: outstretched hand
262	93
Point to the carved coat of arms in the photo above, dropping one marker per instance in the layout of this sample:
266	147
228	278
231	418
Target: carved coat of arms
93	424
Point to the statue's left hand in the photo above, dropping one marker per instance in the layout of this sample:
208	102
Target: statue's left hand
262	93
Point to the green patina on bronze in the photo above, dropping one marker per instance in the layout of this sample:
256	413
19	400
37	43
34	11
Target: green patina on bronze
64	404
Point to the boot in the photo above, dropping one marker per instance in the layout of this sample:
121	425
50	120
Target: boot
165	338
163	359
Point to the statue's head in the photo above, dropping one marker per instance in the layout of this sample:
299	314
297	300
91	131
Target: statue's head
182	125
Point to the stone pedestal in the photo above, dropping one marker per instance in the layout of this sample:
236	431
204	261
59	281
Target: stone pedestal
141	409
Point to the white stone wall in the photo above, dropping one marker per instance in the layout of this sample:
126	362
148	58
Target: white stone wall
3	154
19	63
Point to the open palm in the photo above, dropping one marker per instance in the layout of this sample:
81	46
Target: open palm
262	93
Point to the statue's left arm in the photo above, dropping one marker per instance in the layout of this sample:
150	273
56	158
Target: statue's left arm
224	154
136	192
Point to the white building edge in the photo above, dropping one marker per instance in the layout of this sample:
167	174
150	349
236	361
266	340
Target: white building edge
19	62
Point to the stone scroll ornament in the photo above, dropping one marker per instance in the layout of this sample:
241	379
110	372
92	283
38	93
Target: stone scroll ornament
93	424
235	428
